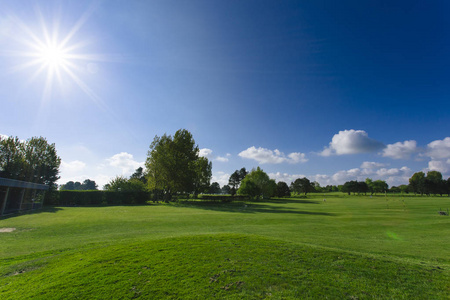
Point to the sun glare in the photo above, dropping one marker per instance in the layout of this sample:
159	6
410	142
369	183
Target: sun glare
53	56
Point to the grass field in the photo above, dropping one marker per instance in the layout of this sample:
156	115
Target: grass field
346	247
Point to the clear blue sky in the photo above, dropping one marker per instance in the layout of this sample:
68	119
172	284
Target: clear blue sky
330	90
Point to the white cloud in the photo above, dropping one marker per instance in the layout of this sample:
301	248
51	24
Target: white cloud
208	153
439	149
285	177
220	177
221	159
442	166
205	152
73	166
125	162
400	150
371	165
351	142
267	156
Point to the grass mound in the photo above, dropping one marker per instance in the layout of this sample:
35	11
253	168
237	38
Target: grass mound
222	265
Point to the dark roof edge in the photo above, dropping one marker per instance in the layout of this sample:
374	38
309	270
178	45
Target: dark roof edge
22	184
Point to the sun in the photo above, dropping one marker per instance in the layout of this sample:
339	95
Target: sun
56	54
53	56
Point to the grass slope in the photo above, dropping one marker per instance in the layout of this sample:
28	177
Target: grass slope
224	265
346	247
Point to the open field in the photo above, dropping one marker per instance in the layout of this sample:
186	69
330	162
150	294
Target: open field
346	247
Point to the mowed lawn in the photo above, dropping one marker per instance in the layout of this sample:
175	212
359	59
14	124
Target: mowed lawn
344	247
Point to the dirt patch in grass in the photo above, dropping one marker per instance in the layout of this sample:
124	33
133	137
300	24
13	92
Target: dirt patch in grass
7	229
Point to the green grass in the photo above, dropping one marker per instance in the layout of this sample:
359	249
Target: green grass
346	247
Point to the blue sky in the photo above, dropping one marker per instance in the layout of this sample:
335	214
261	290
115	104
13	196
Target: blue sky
330	90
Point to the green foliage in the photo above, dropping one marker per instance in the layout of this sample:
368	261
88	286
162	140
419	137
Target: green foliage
34	160
235	180
354	186
97	198
283	189
214	188
174	165
87	185
257	184
122	184
302	185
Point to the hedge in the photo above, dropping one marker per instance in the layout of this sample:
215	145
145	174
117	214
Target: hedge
96	198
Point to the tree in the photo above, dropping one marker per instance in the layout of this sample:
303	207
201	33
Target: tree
302	185
226	189
34	160
417	183
139	175
123	184
88	185
174	166
283	189
257	184
236	178
214	188
434	184
203	173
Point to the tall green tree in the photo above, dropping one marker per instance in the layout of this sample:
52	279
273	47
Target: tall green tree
174	166
34	160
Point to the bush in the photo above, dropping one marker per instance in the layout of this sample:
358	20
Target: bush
88	198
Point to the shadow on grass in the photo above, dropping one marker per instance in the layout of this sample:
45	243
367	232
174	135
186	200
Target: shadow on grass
248	208
289	200
46	209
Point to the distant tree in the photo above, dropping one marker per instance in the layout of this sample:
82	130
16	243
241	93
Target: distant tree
139	175
257	184
395	190
236	178
226	189
214	188
316	187
283	189
302	185
89	185
417	183
379	186
123	184
434	184
174	166
34	160
69	185
354	186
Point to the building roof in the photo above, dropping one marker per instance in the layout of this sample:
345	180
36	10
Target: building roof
22	184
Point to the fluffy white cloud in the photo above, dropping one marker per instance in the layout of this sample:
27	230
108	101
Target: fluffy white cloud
400	150
125	162
220	177
267	156
205	152
73	166
439	149
221	159
371	165
285	177
442	166
351	142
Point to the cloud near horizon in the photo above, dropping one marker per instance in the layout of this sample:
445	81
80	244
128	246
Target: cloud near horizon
267	156
351	142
